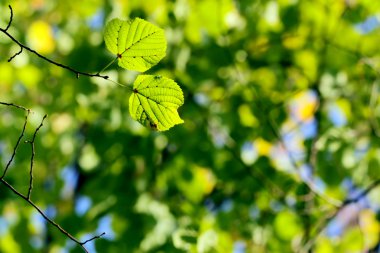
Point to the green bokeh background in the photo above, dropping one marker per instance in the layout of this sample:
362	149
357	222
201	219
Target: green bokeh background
280	97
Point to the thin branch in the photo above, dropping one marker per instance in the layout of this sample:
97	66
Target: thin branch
325	221
293	162
16	106
18	53
10	19
329	217
32	156
276	133
76	72
93	238
364	193
20	137
43	214
16	147
27	197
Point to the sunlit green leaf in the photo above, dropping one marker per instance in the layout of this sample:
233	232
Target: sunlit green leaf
138	44
155	101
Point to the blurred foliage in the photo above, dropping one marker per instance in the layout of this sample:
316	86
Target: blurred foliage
280	96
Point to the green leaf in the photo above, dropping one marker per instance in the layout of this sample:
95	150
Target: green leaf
138	44
155	101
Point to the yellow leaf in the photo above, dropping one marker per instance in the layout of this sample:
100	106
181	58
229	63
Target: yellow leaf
246	116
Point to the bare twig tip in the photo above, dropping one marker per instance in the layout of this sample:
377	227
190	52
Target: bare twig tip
18	53
10	19
93	238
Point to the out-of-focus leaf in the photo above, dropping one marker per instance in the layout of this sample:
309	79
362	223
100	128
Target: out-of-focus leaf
40	37
287	225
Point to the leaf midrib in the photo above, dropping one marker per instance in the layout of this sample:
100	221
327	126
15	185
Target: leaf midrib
133	44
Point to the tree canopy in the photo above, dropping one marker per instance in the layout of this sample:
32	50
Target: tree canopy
273	113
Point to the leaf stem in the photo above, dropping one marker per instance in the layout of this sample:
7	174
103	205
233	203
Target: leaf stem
107	66
120	84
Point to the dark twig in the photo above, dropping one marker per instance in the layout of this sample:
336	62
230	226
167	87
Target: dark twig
293	162
93	238
16	147
32	157
18	53
27	197
362	194
43	214
76	72
14	105
274	129
331	216
10	19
